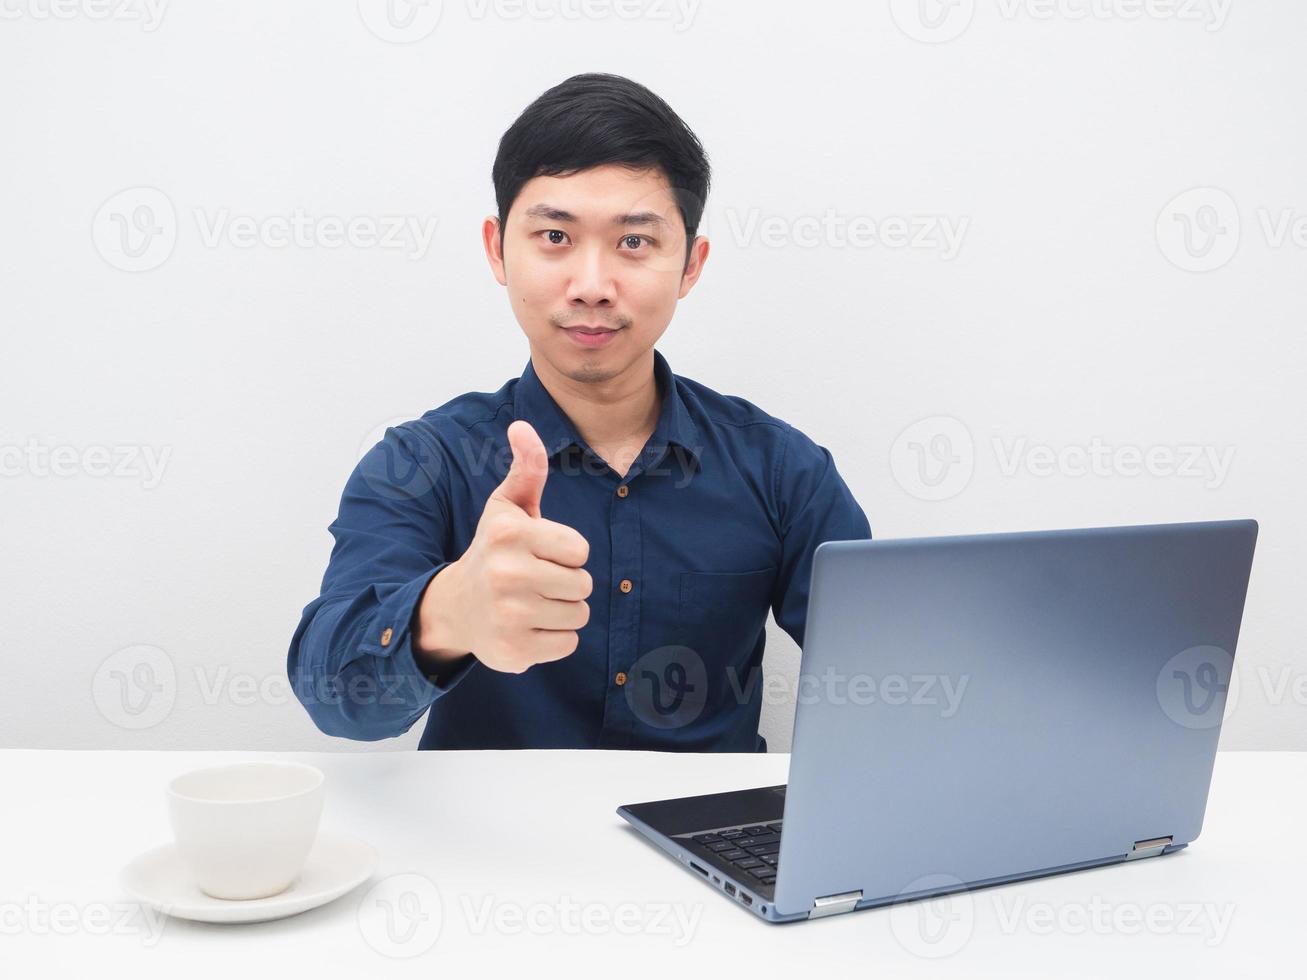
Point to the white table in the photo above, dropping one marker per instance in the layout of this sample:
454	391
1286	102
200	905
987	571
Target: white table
527	868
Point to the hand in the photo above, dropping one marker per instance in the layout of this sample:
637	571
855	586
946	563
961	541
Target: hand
518	594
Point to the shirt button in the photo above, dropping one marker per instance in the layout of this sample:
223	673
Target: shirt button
623	490
625	585
386	634
620	679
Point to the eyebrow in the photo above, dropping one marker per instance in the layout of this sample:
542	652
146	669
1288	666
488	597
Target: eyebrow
551	213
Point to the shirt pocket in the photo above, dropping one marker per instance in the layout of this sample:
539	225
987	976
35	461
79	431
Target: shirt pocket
722	613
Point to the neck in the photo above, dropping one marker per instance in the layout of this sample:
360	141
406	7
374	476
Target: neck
616	414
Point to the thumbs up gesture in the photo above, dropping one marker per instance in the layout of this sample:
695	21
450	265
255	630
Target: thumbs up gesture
518	594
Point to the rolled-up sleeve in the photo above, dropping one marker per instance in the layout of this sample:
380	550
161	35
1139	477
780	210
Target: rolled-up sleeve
351	661
814	505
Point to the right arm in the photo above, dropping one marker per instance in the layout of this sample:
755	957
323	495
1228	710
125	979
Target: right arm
352	661
393	628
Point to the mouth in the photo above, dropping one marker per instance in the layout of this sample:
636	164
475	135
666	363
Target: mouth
591	336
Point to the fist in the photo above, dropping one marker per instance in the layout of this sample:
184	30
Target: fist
518	594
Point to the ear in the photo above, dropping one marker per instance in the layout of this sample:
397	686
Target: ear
698	256
494	250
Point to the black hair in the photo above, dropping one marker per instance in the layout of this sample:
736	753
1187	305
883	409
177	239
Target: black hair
595	119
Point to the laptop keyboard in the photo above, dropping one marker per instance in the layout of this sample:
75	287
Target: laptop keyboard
752	849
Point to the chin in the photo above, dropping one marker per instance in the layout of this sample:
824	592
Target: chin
591	373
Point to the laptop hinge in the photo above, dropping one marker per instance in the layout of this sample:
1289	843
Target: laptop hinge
834	904
1148	848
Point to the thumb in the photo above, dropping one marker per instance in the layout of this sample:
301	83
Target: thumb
525	482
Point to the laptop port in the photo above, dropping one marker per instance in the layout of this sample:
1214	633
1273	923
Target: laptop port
746	898
699	869
730	889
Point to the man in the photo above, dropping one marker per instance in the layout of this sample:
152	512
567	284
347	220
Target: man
586	557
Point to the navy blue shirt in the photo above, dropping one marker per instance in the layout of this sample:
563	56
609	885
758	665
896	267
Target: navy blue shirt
713	526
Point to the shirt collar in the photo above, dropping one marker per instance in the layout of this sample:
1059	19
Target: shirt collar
532	402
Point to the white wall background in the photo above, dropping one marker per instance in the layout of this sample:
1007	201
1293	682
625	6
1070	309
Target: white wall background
1068	310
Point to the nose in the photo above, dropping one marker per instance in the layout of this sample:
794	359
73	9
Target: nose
591	282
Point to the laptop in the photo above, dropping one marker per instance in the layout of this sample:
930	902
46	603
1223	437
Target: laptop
981	709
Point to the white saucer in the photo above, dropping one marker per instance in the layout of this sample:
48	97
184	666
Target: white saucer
336	864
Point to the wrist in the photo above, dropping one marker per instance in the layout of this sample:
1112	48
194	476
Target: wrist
437	637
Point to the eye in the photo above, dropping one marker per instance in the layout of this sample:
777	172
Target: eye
554	231
637	239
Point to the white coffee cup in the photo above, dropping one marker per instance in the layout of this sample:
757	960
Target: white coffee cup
245	830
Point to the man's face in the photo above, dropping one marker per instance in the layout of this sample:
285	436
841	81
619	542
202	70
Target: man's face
602	248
